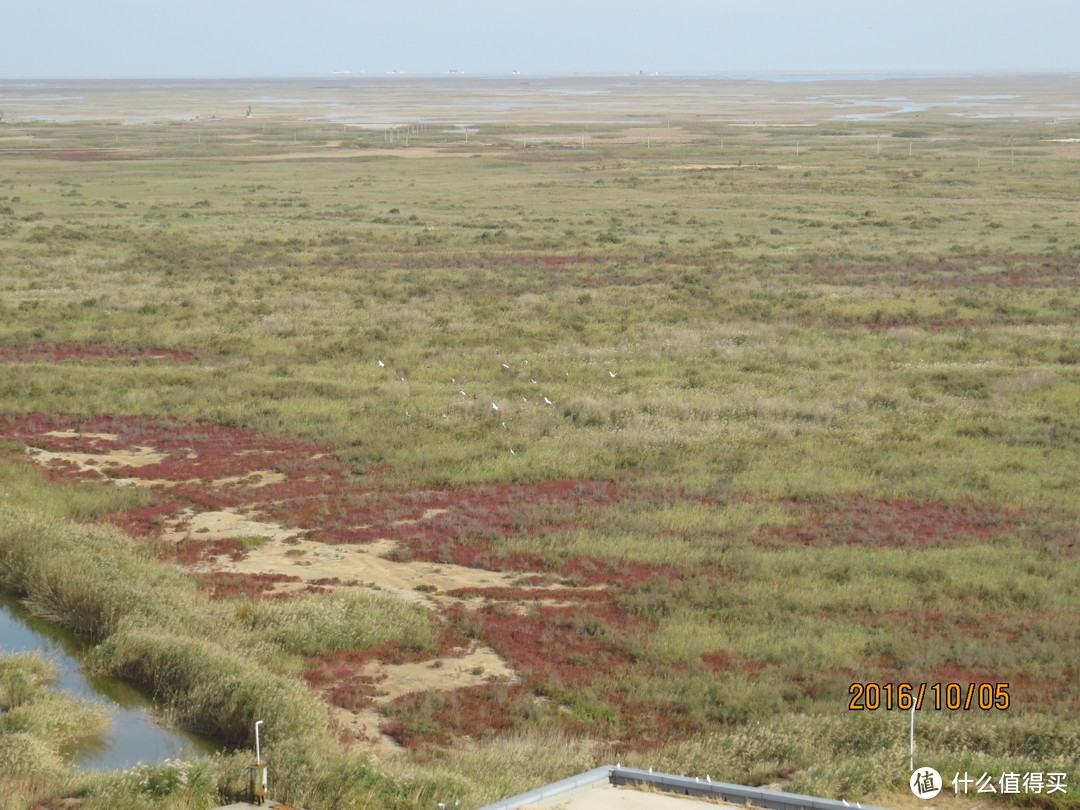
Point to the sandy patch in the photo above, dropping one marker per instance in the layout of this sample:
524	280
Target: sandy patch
74	434
224	524
478	666
252	480
366	564
363	725
135	457
428	514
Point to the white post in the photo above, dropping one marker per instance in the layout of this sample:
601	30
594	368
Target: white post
911	756
258	757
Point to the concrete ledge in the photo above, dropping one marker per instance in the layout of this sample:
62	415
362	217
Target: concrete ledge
557	790
736	794
676	785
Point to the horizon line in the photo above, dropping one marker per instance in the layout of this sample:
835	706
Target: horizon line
734	75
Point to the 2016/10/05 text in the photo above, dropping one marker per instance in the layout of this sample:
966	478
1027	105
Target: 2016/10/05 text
950	696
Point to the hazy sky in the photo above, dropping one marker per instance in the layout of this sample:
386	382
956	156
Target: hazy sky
308	37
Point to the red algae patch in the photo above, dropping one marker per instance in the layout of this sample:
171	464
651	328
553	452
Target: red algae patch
889	523
438	717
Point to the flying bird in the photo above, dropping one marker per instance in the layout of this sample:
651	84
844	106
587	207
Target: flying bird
612	373
548	401
494	407
505	366
382	364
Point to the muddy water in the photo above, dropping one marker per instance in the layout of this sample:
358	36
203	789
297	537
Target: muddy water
134	736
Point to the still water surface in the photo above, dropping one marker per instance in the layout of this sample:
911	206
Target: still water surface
133	736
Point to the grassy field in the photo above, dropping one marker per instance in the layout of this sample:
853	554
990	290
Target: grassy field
694	420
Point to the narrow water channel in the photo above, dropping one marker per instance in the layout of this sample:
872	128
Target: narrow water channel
134	736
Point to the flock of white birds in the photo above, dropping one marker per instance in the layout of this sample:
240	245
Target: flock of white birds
494	405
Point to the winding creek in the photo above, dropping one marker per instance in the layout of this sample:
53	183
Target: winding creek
134	736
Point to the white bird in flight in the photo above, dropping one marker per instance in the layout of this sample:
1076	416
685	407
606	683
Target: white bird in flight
494	407
505	366
382	364
548	401
612	373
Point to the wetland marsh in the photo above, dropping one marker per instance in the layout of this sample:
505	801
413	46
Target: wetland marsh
474	432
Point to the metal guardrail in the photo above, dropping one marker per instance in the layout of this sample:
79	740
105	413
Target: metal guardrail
678	785
562	789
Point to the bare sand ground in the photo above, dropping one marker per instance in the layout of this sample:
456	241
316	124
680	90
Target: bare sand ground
111	460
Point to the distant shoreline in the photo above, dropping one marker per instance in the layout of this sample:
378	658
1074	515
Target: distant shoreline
764	76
